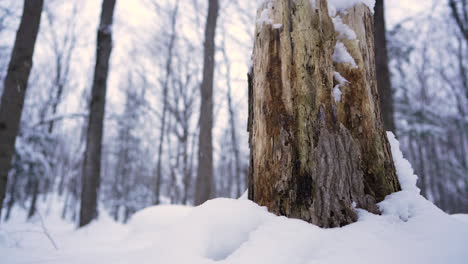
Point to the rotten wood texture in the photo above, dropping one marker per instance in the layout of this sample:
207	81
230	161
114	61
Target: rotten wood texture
312	158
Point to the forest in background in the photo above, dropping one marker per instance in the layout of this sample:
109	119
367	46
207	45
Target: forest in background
155	75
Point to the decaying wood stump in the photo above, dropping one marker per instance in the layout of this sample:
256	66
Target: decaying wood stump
318	147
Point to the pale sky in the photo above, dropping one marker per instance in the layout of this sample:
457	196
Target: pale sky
398	10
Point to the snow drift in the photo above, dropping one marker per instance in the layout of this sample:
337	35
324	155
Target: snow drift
410	230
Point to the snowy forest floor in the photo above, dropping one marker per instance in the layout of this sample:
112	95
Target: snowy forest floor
410	230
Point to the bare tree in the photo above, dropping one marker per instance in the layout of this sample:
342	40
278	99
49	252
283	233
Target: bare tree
431	103
204	181
381	66
182	106
92	158
15	85
125	176
165	89
232	125
62	46
460	15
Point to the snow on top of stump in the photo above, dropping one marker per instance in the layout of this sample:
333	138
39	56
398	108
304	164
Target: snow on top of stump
334	6
341	5
264	7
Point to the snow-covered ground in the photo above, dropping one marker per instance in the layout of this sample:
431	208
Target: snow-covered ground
410	230
238	231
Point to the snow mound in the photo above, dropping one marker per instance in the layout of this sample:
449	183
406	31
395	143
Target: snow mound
410	230
461	217
220	226
157	217
227	231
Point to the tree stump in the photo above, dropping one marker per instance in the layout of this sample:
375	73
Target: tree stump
318	147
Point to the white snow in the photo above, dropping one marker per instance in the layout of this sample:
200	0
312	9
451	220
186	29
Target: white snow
277	26
245	195
337	93
341	5
344	31
404	170
266	7
339	78
410	230
341	55
336	90
157	217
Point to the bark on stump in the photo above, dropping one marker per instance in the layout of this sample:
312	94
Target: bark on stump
313	157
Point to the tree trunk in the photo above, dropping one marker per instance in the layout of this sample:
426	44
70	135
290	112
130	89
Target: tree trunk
205	143
232	127
460	16
92	158
381	63
188	177
12	196
312	155
185	166
15	85
170	49
35	193
422	165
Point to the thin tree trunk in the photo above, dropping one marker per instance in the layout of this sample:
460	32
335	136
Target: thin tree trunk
381	62
15	84
35	190
232	123
313	156
12	197
436	172
167	77
460	16
188	178
422	163
204	182
185	164
172	188
55	104
62	50
92	159
65	205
